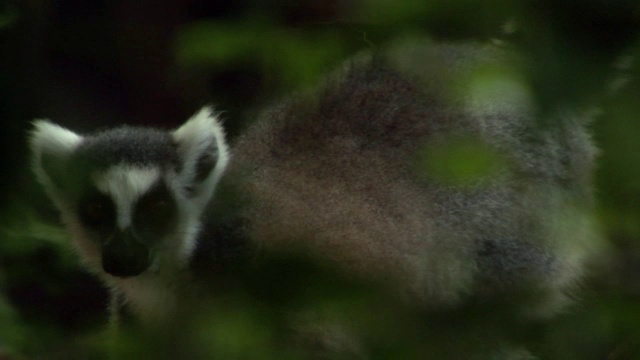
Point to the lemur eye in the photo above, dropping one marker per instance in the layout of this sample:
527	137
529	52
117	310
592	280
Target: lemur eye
160	204
155	212
161	207
97	211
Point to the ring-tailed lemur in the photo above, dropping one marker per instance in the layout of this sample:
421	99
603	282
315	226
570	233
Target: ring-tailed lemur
348	172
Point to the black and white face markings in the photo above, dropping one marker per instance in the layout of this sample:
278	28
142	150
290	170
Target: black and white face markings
155	213
132	197
130	210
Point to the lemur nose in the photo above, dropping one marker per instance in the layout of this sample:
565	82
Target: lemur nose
124	256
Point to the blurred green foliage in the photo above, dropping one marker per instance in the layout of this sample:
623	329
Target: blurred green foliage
569	50
8	15
462	161
275	50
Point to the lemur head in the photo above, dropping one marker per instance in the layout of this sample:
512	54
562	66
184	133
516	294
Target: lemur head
132	197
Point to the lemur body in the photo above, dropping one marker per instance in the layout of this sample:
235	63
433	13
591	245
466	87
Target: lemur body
339	173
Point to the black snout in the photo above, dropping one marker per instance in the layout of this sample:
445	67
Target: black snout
124	256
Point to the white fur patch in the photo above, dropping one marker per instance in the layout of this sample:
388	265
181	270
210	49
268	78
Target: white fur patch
195	136
151	298
49	139
125	184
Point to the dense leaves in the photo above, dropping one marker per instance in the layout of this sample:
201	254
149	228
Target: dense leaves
90	64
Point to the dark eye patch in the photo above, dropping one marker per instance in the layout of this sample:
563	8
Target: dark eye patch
155	212
97	211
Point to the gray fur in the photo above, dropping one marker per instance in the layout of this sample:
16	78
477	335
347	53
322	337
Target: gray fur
341	173
337	170
135	146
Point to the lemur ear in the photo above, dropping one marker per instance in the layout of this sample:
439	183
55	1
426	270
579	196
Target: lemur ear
202	149
51	148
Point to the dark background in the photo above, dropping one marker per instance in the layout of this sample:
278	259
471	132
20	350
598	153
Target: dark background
90	64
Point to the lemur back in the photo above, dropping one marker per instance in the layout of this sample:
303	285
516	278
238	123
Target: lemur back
345	172
350	173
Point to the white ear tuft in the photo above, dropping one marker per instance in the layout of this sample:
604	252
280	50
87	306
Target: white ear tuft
51	145
203	151
49	140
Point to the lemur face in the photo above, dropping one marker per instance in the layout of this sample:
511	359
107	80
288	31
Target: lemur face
132	197
130	212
